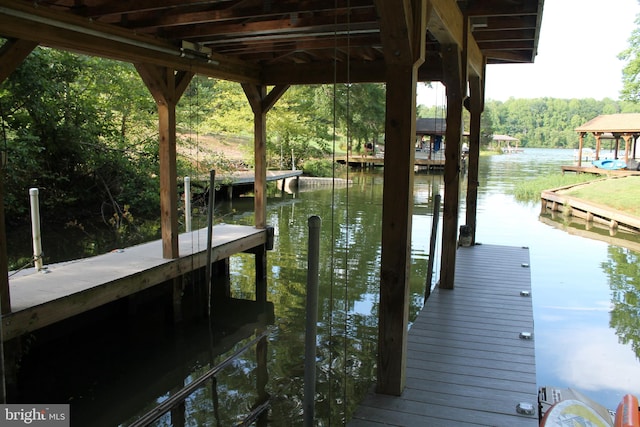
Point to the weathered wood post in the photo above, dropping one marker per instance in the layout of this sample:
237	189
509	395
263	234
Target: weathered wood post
403	33
476	106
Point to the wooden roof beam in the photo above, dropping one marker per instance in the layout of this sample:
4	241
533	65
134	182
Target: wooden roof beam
48	27
12	53
446	24
490	7
176	17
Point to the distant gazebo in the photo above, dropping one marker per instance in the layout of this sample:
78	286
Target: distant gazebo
507	140
612	126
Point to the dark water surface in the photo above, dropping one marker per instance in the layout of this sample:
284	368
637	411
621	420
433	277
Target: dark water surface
586	296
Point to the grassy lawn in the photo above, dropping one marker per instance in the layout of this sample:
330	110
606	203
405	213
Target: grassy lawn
622	194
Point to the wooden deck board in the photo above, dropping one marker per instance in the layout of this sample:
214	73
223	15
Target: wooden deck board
466	362
70	288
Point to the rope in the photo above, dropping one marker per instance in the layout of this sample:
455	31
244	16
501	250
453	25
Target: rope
333	209
347	228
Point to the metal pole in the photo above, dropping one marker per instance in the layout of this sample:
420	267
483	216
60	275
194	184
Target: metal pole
212	194
313	258
432	245
35	229
187	203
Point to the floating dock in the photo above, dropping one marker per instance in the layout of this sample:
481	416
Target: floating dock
67	289
471	355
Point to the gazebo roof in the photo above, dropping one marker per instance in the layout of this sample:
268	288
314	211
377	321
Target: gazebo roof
613	123
506	138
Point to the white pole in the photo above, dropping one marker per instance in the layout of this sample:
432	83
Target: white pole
187	203
35	229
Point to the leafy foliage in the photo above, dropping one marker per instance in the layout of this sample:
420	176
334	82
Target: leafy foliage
631	71
78	129
549	122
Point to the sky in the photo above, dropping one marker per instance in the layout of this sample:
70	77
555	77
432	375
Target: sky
577	55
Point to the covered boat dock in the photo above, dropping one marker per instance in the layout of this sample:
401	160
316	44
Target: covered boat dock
269	46
625	126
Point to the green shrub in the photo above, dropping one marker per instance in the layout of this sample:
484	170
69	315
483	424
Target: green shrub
318	167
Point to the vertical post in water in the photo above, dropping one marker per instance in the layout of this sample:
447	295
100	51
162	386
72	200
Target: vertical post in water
212	194
35	228
313	259
187	203
432	245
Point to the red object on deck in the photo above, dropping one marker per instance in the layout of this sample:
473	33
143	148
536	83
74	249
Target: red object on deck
628	413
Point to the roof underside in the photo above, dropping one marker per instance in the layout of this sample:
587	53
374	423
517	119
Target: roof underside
612	123
272	42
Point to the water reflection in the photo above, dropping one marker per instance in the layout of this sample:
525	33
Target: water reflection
623	270
585	292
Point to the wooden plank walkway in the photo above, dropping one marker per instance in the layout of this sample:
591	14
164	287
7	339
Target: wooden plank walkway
557	201
71	288
466	364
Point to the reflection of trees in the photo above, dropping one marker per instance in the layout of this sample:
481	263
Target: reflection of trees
348	297
624	279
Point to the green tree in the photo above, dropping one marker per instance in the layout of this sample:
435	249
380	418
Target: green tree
69	130
631	71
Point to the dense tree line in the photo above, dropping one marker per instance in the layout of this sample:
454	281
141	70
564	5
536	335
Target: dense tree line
549	122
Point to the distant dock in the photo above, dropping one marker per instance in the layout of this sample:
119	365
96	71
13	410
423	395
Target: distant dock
422	160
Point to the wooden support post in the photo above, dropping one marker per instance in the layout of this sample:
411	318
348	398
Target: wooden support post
627	146
166	87
403	33
598	136
454	85
476	104
261	103
12	54
580	145
5	297
397	199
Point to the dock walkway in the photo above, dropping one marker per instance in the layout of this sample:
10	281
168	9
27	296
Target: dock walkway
466	363
71	288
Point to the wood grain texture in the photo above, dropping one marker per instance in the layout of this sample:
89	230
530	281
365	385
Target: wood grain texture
466	363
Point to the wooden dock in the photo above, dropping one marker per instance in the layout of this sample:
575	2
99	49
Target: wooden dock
364	161
71	288
598	171
555	201
467	364
248	177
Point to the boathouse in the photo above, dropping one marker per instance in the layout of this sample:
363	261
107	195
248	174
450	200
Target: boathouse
269	46
625	126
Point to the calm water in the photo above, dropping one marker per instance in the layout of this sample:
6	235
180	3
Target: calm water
585	295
